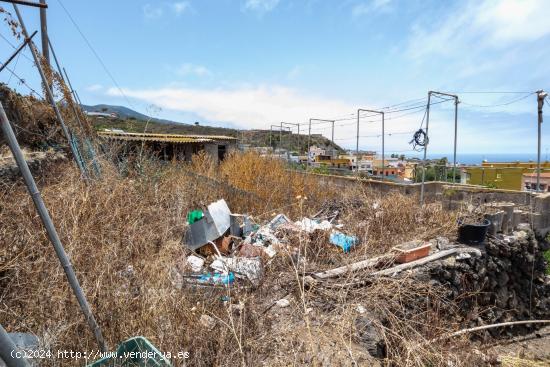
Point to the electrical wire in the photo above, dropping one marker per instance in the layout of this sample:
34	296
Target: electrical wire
500	104
95	54
15	48
23	82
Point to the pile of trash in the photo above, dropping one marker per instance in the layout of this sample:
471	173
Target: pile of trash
228	247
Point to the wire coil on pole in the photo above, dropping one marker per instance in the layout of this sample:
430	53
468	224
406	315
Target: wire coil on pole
420	139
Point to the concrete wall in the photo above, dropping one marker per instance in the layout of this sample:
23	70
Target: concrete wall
536	206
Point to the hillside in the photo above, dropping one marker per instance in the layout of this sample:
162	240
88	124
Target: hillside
135	123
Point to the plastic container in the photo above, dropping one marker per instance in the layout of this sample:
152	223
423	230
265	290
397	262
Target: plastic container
473	234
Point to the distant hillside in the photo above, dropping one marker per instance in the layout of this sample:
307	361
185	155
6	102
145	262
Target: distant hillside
132	121
124	113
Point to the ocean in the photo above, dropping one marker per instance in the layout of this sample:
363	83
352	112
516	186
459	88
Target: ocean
477	158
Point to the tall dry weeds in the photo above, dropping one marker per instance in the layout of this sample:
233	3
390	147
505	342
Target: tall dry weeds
123	235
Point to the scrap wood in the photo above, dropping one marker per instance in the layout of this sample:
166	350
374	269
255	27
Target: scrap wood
333	273
349	268
492	326
425	260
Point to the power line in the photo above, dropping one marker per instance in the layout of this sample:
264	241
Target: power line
490	92
95	53
15	48
499	104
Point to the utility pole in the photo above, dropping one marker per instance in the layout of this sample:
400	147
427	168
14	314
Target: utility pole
455	97
425	150
383	134
541	95
290	134
332	138
309	135
44	32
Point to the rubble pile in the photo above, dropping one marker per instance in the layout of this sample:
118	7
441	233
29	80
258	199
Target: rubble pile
229	247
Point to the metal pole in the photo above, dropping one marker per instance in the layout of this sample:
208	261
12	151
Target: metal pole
308	142
541	95
456	130
383	146
27	3
332	132
17	51
357	144
44	32
8	349
49	226
281	136
425	150
55	60
270	133
49	92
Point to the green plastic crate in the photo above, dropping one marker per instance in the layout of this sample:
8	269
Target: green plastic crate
137	351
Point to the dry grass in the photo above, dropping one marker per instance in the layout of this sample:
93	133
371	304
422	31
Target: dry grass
123	235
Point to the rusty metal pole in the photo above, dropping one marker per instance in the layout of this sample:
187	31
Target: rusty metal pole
44	32
49	226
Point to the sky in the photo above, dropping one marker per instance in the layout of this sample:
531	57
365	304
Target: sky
253	63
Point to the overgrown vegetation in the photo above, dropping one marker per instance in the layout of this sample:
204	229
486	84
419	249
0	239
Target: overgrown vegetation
123	234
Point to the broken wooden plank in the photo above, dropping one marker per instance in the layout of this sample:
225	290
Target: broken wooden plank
333	273
425	260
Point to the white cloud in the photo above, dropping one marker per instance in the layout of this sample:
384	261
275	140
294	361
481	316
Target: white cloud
364	8
191	69
94	88
247	107
480	25
260	6
152	12
180	7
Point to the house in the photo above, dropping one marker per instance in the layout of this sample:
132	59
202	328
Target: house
502	175
171	146
529	181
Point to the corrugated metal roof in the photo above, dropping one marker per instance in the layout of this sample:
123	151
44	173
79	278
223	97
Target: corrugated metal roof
168	138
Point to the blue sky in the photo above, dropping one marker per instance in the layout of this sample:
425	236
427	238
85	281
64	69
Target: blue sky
253	63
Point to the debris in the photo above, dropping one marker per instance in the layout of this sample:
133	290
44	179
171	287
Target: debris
361	309
310	225
343	241
196	263
249	250
248	268
207	321
413	250
278	221
234	226
270	251
194	216
282	303
213	225
211	279
438	255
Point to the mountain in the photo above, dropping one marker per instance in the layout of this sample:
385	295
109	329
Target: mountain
125	113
